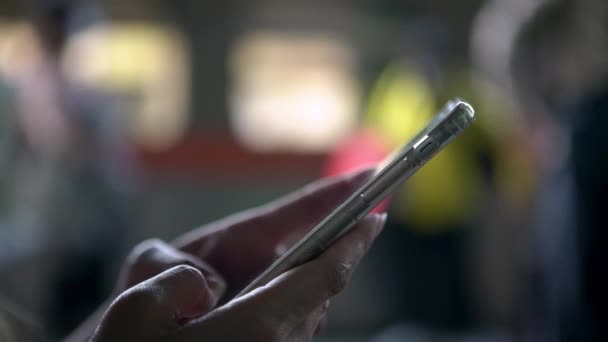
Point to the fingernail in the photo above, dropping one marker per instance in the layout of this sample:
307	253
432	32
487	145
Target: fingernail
380	221
325	305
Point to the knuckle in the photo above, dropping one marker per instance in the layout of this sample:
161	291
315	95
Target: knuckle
145	250
186	270
338	277
189	273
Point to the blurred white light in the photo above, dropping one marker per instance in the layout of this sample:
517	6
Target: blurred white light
293	92
148	63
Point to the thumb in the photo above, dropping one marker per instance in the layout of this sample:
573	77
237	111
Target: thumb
156	306
297	294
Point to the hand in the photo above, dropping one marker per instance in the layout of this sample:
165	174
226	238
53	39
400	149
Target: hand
147	260
290	308
238	247
241	246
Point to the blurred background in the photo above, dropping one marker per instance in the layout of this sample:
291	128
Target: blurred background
124	120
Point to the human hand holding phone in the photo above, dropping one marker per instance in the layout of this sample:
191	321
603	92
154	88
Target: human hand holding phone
241	246
291	308
287	302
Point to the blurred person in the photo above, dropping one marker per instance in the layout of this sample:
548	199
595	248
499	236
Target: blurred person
561	76
171	292
437	232
66	201
554	61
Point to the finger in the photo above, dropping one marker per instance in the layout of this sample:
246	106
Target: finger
306	330
154	256
296	293
155	307
308	205
322	325
279	218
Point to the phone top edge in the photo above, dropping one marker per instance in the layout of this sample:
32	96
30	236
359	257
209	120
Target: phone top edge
461	104
458	103
470	110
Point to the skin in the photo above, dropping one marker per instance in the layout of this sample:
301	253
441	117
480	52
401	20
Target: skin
171	292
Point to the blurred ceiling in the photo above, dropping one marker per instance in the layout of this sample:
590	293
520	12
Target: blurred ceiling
119	9
11	8
152	9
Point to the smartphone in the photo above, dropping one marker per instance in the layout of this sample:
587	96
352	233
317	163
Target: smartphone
449	123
